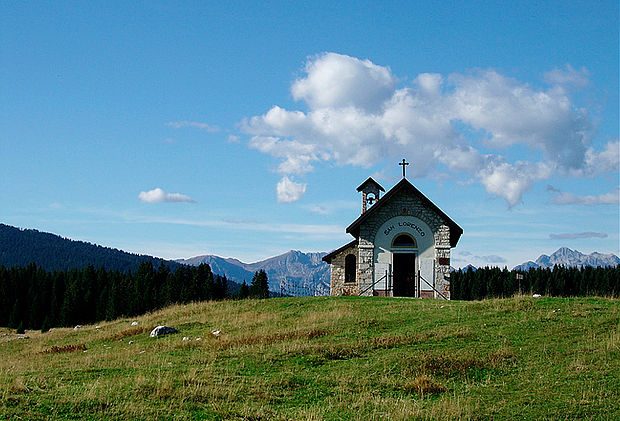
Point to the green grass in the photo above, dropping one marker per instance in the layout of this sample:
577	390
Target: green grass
345	358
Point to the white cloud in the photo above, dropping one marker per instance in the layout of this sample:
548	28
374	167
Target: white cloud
297	156
289	191
193	124
512	113
158	195
605	161
511	181
464	123
565	198
477	260
337	81
577	235
568	77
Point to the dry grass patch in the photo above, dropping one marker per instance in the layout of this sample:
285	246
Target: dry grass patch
502	356
452	364
60	349
126	333
424	385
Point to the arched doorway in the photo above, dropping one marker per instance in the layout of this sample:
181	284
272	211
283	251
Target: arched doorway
404	251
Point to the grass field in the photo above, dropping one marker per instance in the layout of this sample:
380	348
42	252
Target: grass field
326	358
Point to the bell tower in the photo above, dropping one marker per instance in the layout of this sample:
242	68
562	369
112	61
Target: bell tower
371	191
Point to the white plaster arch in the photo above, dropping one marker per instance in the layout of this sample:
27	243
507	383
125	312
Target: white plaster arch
383	251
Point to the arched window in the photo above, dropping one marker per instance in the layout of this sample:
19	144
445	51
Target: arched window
349	268
404	240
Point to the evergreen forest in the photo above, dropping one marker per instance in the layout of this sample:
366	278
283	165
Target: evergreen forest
32	298
559	282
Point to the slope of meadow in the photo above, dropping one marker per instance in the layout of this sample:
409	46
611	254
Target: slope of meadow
326	358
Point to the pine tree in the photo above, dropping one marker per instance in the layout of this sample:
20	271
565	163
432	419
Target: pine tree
259	288
244	290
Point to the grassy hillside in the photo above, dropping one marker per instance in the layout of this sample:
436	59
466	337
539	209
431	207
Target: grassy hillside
327	358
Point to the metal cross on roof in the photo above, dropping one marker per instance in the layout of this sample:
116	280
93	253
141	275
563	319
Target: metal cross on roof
404	165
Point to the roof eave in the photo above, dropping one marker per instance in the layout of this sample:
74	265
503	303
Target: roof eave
329	256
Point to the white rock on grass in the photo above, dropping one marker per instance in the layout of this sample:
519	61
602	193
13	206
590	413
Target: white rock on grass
162	330
77	327
536	296
134	323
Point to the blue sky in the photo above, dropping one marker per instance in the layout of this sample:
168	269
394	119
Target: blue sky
243	128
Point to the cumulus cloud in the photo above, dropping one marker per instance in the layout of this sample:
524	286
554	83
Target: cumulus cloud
510	181
158	195
338	81
194	124
605	161
356	114
568	77
297	156
566	198
511	112
289	191
577	235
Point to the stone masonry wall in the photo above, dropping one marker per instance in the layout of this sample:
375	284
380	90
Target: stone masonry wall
338	285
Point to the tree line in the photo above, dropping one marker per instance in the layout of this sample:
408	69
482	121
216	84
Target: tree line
33	298
559	281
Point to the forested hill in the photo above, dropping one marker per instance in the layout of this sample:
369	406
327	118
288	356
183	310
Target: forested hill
20	247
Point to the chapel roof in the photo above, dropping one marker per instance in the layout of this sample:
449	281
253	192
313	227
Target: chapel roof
403	185
368	181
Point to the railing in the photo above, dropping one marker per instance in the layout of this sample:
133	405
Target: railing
418	287
374	283
432	286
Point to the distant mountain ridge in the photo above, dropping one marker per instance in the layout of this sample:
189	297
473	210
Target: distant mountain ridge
292	273
21	247
571	258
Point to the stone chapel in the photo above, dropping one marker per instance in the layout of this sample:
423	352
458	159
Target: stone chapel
401	247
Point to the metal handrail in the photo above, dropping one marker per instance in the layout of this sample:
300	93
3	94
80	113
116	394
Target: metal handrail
432	286
386	277
374	283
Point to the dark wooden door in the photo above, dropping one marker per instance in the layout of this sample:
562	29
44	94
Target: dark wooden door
404	274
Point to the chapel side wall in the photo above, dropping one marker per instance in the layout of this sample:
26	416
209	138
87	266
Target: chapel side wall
404	205
337	285
442	260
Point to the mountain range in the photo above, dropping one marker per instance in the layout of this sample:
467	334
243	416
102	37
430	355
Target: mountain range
291	273
571	258
20	247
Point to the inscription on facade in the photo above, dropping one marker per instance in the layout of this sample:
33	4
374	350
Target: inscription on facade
409	224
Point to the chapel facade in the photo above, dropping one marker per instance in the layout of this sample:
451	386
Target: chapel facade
401	246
